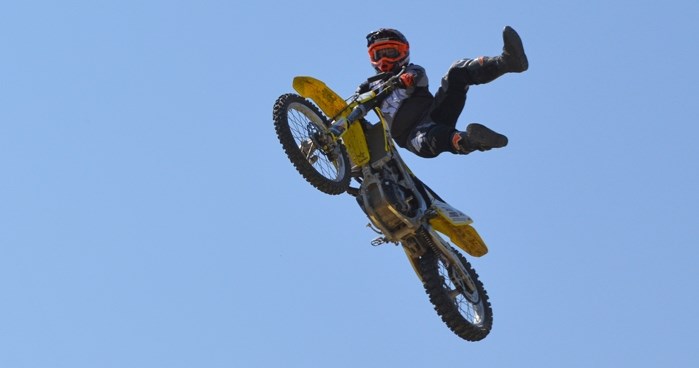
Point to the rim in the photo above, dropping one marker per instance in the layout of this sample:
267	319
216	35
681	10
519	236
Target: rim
463	293
305	126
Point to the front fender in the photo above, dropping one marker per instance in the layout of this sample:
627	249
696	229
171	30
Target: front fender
329	102
335	106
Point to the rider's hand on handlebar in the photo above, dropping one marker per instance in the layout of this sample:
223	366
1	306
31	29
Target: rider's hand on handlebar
406	80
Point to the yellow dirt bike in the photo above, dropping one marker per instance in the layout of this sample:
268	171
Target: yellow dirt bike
331	147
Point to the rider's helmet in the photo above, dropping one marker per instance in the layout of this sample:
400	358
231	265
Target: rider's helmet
388	50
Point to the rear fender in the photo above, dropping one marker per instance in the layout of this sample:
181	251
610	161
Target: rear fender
457	226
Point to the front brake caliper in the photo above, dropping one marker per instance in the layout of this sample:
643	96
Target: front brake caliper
322	140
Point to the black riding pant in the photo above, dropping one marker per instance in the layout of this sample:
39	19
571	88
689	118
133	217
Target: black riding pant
433	135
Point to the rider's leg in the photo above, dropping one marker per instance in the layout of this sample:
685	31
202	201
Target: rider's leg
451	95
486	69
421	143
451	98
429	139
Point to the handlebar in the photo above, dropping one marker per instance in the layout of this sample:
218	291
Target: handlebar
390	83
359	111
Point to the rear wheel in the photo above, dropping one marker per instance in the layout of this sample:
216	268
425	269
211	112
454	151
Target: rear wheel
456	292
302	131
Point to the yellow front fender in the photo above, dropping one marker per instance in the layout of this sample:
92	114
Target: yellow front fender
335	106
314	89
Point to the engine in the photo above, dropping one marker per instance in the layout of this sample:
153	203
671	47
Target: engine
389	202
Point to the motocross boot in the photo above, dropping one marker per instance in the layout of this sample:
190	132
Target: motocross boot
477	137
513	55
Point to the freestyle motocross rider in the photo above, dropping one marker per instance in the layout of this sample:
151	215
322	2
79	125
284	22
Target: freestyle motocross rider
426	124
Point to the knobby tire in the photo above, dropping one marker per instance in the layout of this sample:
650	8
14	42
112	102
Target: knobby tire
328	172
452	311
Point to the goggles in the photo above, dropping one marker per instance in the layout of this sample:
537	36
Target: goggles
389	51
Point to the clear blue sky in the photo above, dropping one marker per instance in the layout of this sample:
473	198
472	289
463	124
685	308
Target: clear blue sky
149	217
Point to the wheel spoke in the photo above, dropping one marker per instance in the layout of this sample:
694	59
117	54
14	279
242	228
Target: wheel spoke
298	123
456	289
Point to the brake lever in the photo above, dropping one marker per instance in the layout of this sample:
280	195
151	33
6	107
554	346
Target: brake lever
394	79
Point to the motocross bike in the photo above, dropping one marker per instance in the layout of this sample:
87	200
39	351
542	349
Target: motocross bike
330	142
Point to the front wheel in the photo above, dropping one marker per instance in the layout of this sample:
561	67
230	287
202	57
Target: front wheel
456	292
302	131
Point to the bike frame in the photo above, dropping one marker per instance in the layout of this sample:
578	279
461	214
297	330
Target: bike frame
441	216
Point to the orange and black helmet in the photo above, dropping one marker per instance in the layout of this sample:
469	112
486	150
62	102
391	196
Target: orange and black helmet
389	50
